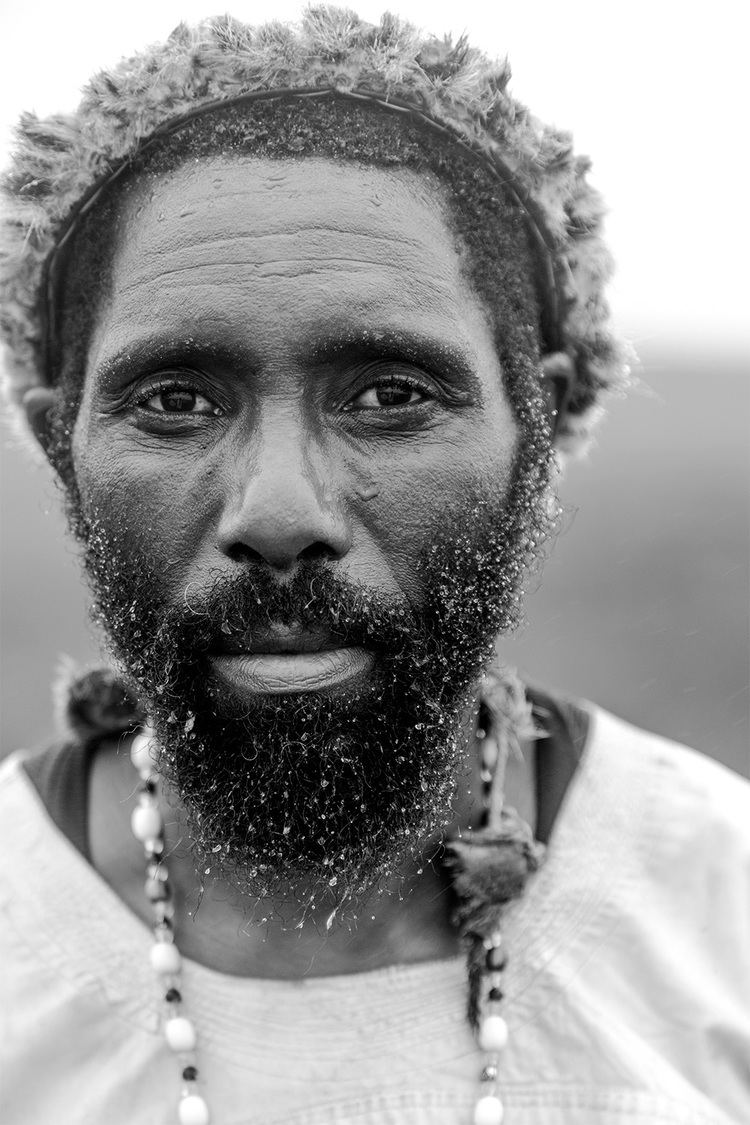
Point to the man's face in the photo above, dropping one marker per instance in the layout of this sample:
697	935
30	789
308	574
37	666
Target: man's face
294	436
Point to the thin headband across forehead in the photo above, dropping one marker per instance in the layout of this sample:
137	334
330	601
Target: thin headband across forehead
63	165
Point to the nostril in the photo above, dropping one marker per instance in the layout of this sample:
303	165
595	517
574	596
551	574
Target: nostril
317	552
242	553
314	552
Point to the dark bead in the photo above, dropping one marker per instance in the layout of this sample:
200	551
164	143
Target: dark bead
173	996
190	1073
496	958
148	786
496	994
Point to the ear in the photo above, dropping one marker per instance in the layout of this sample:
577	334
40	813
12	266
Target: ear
37	403
558	379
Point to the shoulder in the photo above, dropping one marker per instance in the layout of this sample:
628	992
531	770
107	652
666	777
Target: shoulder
13	774
679	823
669	839
22	811
26	833
684	782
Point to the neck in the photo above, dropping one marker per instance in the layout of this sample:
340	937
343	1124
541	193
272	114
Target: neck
406	919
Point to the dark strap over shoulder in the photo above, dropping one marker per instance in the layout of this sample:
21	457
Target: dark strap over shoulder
59	773
557	756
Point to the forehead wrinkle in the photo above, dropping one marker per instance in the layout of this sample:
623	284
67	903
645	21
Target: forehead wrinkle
285	229
279	209
295	268
176	261
406	254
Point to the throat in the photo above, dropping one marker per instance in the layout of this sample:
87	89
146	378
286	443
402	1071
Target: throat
401	925
407	920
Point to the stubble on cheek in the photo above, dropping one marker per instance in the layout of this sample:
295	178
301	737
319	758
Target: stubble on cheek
415	501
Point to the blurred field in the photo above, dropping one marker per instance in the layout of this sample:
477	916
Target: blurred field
643	606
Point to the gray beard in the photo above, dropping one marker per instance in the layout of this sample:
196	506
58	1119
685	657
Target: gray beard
307	797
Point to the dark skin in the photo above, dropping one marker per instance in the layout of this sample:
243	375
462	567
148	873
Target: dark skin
291	364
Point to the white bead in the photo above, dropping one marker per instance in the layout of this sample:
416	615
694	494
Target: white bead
493	1033
192	1110
146	822
488	1111
165	958
180	1034
141	754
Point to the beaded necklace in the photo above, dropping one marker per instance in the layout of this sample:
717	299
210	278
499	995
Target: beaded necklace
489	867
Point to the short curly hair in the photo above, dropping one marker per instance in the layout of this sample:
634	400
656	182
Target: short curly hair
66	167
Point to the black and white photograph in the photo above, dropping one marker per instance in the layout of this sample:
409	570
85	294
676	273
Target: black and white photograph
374	564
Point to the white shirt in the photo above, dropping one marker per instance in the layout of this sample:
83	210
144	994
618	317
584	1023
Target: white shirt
628	983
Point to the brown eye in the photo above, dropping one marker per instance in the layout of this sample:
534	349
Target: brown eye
394	393
177	401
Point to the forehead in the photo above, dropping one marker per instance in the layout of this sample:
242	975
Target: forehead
282	248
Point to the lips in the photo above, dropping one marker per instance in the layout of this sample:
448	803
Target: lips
288	659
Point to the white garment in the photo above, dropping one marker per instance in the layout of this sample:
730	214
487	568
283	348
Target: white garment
628	983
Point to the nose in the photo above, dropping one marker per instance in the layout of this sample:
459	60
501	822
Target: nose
282	507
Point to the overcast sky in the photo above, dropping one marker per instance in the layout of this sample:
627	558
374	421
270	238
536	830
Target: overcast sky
654	91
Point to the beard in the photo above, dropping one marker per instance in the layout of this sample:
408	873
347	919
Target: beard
316	796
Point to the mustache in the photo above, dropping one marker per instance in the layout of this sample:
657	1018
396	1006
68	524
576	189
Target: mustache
235	608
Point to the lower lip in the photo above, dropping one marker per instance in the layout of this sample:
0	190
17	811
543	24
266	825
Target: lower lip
276	673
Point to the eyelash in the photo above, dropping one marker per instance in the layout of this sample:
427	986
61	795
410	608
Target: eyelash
375	383
174	383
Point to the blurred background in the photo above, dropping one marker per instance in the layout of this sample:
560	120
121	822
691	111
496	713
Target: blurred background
643	605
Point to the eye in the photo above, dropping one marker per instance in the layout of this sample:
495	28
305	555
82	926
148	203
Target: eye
173	398
390	392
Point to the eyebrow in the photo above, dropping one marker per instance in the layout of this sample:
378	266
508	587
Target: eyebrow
441	357
153	350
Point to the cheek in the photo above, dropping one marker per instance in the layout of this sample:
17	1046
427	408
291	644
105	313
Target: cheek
159	506
419	494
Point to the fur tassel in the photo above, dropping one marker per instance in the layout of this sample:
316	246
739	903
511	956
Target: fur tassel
94	704
490	867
